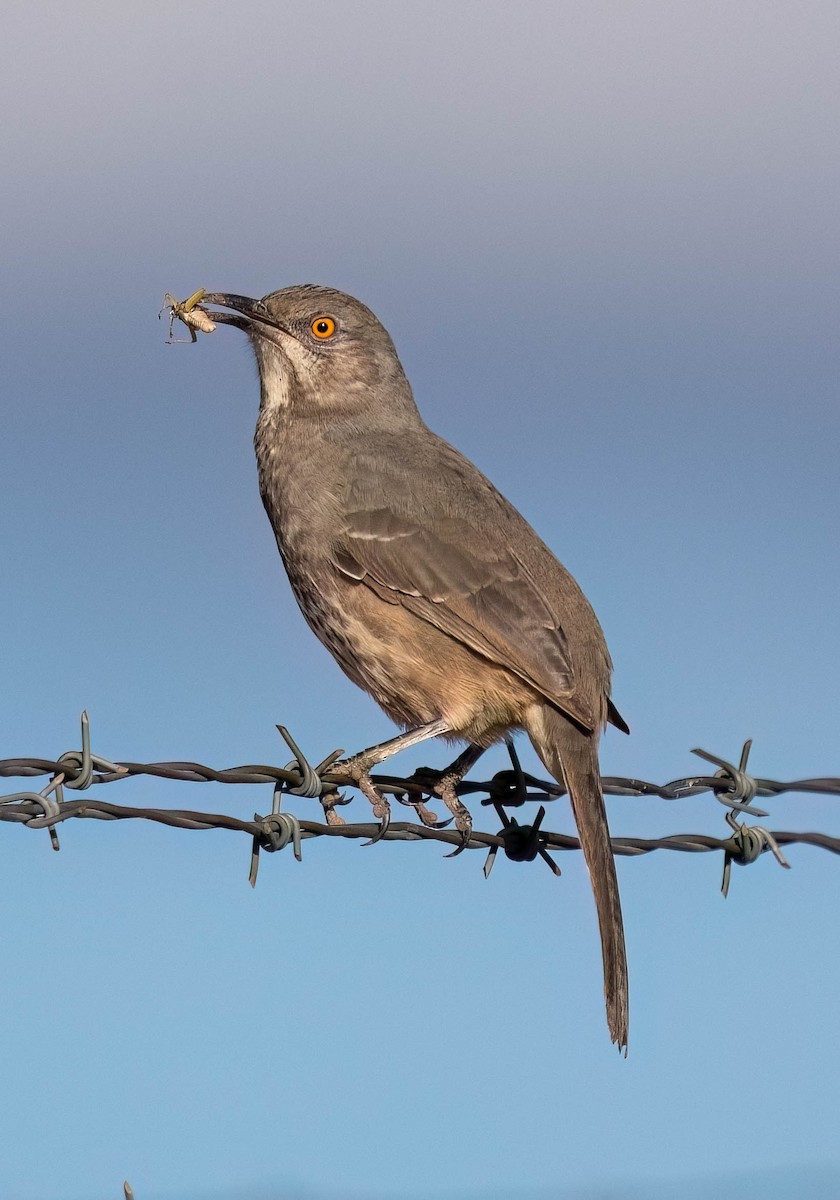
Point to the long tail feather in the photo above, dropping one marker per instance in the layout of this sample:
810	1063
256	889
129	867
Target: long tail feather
572	758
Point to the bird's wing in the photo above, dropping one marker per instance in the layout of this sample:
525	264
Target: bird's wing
457	558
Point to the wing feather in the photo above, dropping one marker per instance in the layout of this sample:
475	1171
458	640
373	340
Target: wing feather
464	575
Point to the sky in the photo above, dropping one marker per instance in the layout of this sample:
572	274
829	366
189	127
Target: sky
605	240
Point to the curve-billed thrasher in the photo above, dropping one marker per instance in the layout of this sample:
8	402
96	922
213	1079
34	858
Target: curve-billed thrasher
427	586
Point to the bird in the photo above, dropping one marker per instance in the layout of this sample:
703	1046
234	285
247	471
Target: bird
429	588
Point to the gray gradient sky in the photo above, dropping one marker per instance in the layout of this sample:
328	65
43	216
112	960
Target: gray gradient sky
605	240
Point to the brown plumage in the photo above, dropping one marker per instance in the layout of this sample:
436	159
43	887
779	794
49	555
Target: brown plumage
431	591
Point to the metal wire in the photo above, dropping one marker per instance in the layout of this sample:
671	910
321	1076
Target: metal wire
82	769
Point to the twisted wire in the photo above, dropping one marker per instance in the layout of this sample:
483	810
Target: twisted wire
81	770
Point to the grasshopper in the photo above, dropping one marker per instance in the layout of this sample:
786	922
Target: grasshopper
188	312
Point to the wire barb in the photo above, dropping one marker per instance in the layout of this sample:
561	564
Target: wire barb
521	843
740	787
77	766
274	833
50	808
310	779
746	845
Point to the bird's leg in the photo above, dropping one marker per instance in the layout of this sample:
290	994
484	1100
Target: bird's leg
447	788
359	767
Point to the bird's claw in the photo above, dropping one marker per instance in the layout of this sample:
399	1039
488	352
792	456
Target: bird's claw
424	814
430	820
381	807
384	823
446	789
329	803
358	770
466	832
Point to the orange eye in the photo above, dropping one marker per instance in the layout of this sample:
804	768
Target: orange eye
323	327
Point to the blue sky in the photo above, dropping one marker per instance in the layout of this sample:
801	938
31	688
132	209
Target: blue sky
605	240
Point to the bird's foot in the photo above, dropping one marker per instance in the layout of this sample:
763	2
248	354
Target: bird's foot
446	789
358	769
329	803
424	814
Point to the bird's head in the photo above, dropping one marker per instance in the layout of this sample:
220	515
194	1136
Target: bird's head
320	353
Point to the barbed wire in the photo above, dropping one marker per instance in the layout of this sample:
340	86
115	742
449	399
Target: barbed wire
81	769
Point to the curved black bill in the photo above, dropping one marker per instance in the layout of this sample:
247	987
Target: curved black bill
243	306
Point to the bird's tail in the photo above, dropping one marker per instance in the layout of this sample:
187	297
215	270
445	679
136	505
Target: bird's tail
572	758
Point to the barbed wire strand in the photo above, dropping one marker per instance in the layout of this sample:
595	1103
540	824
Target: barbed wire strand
81	769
